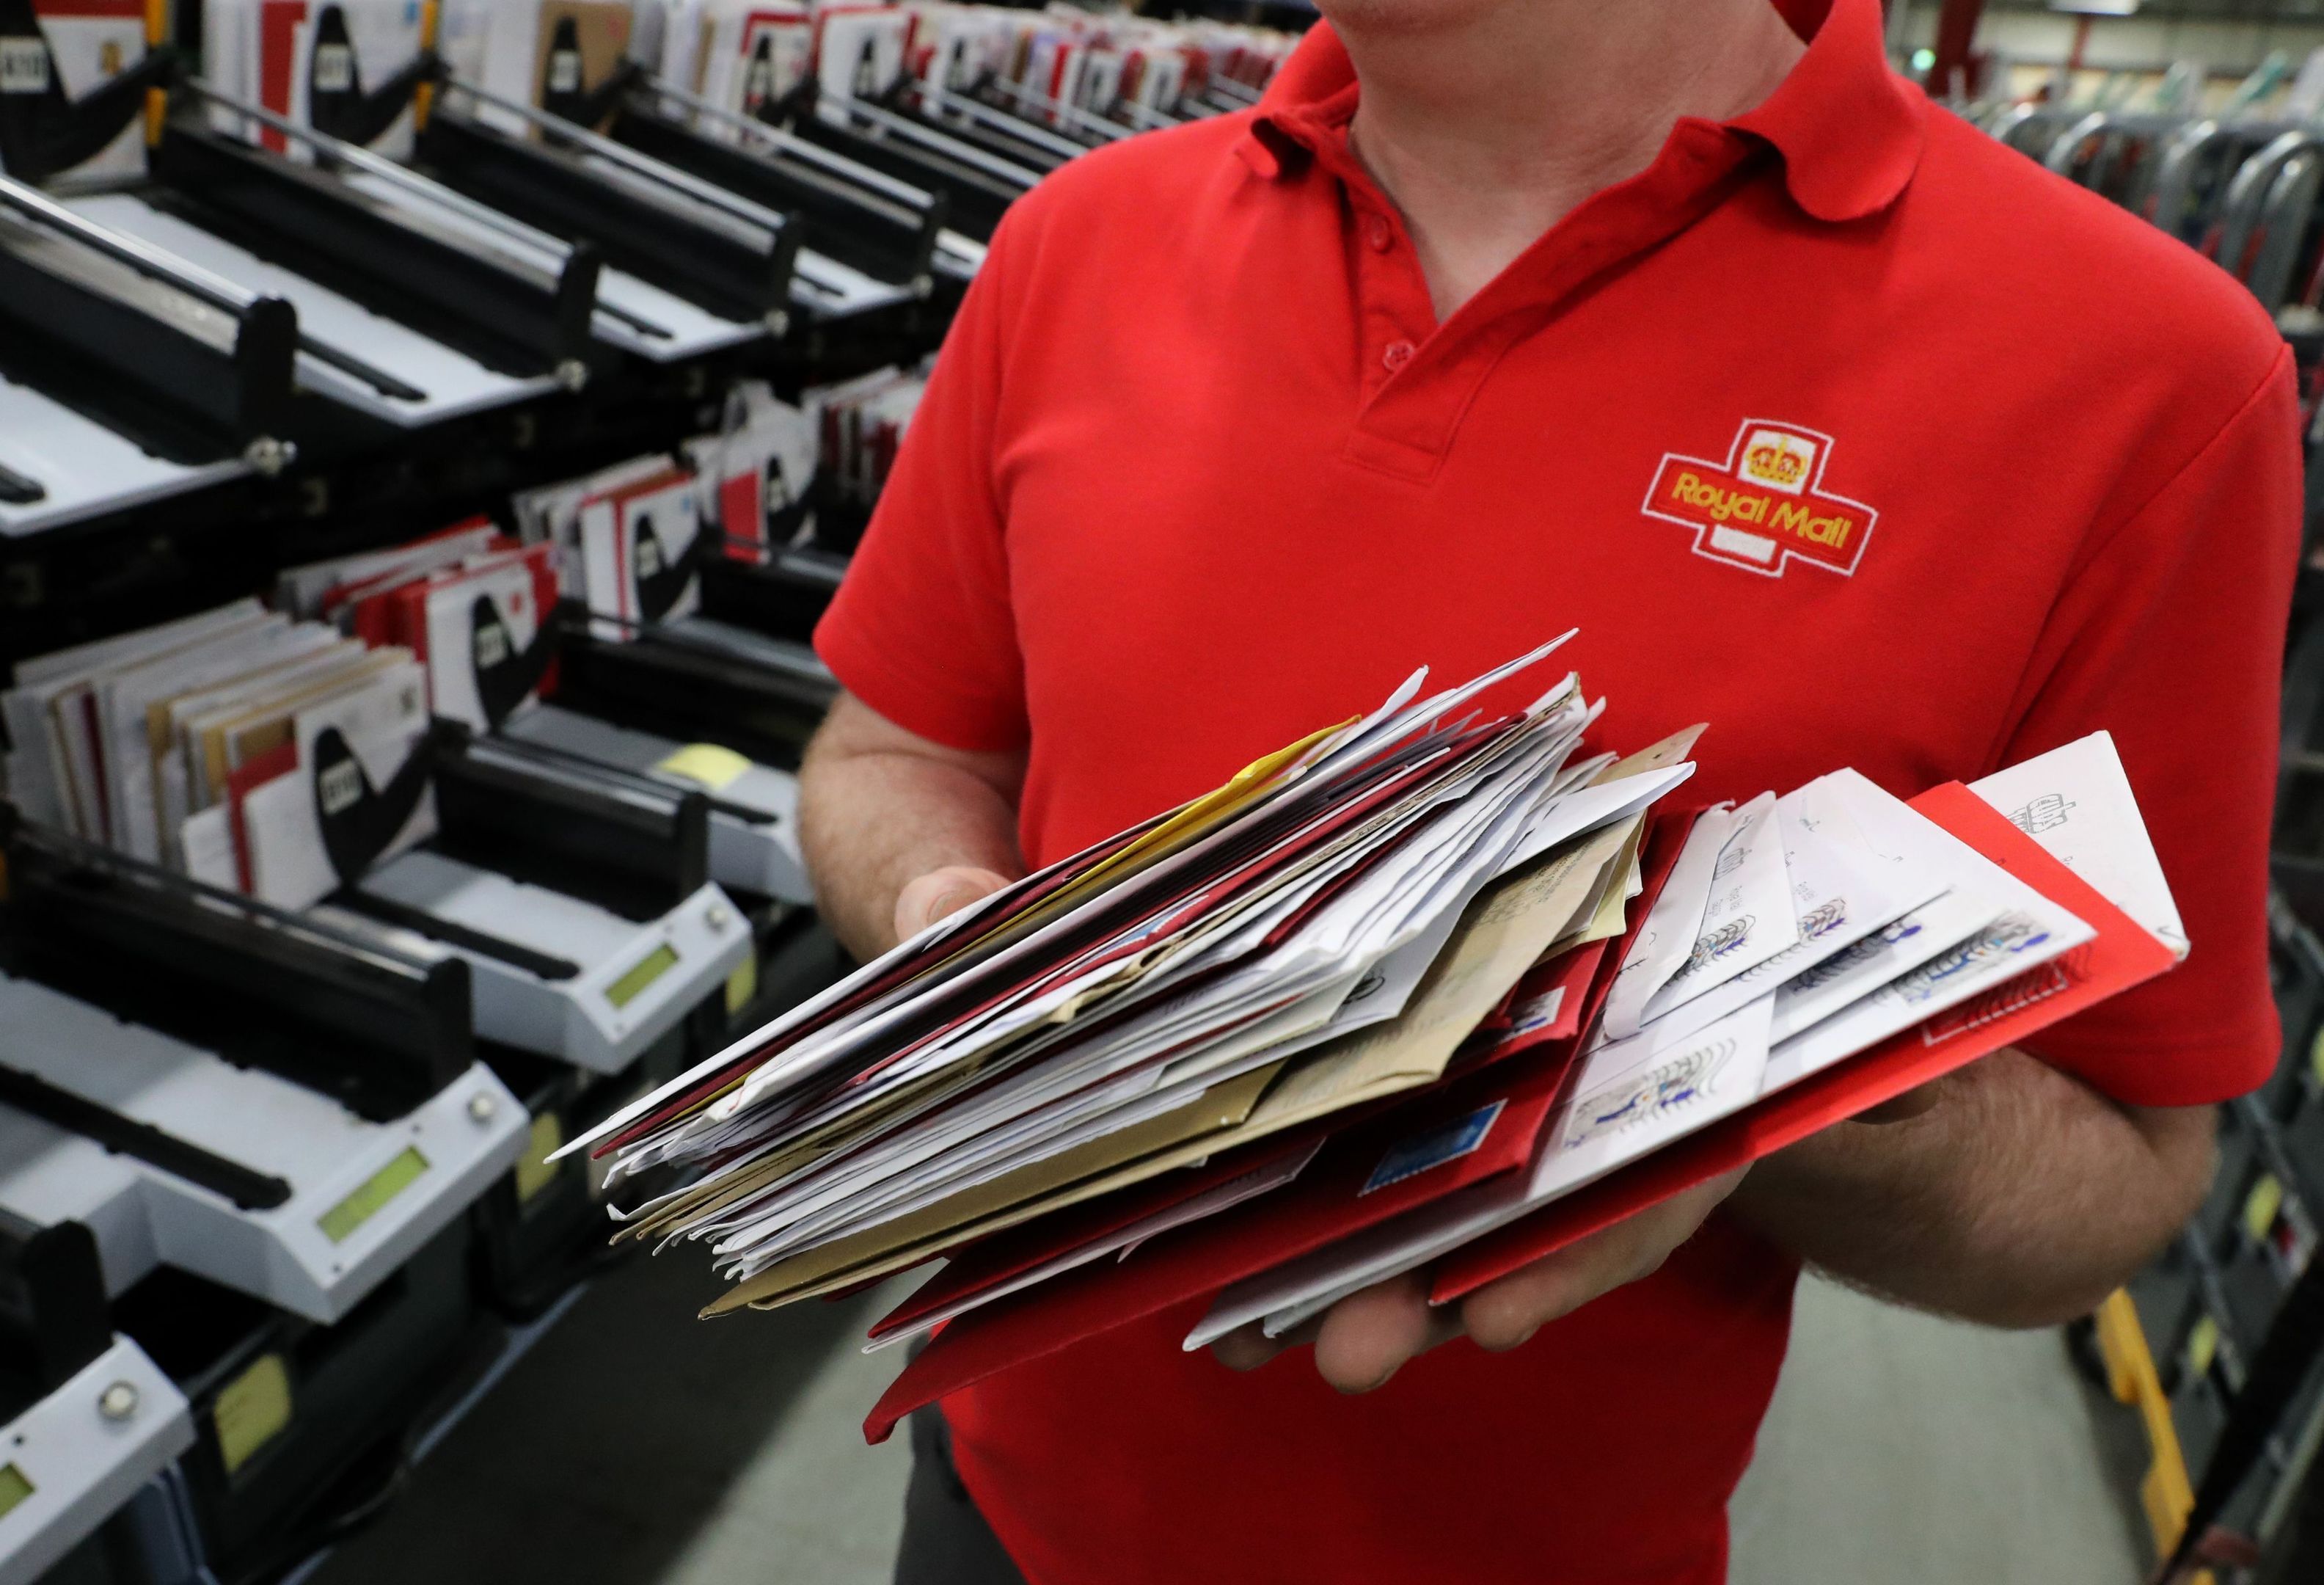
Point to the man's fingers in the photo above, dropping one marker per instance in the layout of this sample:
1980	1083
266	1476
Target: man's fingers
931	896
1501	1315
1504	1314
1368	1336
1247	1348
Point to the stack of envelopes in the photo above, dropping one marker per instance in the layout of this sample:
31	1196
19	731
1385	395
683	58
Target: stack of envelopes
1435	987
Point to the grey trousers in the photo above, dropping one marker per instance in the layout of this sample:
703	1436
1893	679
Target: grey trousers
947	1542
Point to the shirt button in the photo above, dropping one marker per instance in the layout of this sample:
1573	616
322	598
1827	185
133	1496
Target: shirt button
1397	355
1380	234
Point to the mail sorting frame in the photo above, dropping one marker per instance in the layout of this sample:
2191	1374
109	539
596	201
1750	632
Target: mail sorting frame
301	1426
717	249
57	465
299	1432
980	185
619	703
866	219
861	228
748	687
821	286
2207	1339
1015	108
2030	129
2198	166
191	368
156	1105
132	249
539	1231
368	361
522	307
59	468
1224	95
994	118
401	377
2266	221
376	1031
1093	128
753	826
86	1418
578	895
2114	153
615	309
631	314
2211	1305
175	1157
988	125
63	466
780	599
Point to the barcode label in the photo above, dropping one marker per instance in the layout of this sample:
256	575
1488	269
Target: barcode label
24	66
334	68
339	787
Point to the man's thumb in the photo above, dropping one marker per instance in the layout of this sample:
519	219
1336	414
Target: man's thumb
934	895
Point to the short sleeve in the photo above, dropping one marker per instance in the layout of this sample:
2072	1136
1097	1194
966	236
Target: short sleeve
921	630
2170	636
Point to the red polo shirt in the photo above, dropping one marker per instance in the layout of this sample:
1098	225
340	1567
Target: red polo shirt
1841	427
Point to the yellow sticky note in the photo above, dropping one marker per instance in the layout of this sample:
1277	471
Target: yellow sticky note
1190	821
534	1171
2260	1207
742	985
251	1410
2202	1345
712	766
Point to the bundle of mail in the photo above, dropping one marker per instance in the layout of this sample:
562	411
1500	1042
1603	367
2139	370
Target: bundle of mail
1435	988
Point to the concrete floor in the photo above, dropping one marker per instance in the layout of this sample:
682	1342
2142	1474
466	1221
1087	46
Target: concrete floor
636	1447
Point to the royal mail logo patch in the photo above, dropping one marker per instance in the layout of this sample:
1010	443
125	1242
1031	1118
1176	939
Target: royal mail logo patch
1766	506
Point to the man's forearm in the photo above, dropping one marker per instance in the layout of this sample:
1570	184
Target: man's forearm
2021	1199
874	817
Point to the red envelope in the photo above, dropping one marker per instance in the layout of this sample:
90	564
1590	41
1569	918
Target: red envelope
2122	955
1177	1268
1358	1180
1009	1255
1589	971
1569	977
252	773
1328	1202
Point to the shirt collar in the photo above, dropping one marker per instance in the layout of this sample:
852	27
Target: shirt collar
1849	130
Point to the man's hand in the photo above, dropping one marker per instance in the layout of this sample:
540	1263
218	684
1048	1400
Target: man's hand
901	830
2009	1193
1366	1337
929	897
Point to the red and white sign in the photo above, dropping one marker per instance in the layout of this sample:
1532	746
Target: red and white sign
1765	505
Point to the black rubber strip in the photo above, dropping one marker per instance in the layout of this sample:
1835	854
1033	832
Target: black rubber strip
423	922
16	490
249	1189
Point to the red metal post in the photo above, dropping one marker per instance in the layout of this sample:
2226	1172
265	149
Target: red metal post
1956	31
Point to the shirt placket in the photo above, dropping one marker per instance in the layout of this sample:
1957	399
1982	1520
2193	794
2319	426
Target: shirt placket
1395	315
1417	377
